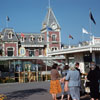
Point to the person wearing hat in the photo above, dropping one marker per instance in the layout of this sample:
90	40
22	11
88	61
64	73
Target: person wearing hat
94	76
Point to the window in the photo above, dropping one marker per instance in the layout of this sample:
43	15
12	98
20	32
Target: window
9	35
53	37
54	48
40	51
87	57
31	53
10	51
97	56
31	38
22	39
40	39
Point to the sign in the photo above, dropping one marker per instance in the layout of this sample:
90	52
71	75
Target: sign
22	51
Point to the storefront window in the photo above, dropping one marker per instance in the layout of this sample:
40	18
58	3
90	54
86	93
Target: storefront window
10	51
31	53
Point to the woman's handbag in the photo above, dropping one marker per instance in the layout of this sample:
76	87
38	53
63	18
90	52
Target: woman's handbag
87	86
66	86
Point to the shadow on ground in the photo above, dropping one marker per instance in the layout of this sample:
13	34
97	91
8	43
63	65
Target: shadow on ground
22	94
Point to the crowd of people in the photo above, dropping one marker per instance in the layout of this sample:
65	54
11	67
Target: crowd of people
69	82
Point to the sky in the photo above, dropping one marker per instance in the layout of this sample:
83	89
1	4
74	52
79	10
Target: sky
72	16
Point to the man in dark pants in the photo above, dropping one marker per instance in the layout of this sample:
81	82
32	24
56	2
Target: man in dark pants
82	82
77	67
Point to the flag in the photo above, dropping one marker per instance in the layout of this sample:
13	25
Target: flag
71	37
49	28
85	31
91	17
7	18
22	35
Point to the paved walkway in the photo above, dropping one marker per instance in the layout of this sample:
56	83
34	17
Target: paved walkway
29	91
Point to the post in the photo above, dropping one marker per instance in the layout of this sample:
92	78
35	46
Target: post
37	70
9	69
46	70
14	69
69	43
90	25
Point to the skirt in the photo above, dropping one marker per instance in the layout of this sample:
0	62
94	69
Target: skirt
55	87
75	92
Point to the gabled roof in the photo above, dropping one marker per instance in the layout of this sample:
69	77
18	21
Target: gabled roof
6	31
50	18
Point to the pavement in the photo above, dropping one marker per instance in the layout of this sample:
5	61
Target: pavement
30	91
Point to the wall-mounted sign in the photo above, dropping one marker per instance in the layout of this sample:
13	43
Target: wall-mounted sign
22	51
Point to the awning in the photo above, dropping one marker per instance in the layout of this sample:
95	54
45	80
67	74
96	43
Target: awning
31	58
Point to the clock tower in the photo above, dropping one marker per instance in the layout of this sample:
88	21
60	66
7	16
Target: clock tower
52	31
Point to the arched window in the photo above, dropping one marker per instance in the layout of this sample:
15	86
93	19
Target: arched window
54	37
22	39
54	48
10	35
31	38
40	38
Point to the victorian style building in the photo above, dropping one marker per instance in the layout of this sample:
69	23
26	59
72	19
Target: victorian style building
29	51
32	44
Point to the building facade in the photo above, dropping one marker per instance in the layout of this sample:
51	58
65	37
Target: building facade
32	44
83	53
28	52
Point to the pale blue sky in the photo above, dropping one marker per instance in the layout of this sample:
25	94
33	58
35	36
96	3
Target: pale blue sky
72	15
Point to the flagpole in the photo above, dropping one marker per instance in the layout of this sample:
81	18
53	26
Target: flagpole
90	25
49	3
82	37
6	23
69	42
7	20
90	21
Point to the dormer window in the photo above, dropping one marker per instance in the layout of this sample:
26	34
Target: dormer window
22	39
40	38
10	35
54	37
31	38
44	25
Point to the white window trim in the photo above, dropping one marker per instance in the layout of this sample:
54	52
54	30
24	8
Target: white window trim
22	40
40	40
54	48
8	48
31	39
10	34
55	37
32	50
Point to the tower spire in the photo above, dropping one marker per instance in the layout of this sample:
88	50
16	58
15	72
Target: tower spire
49	4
